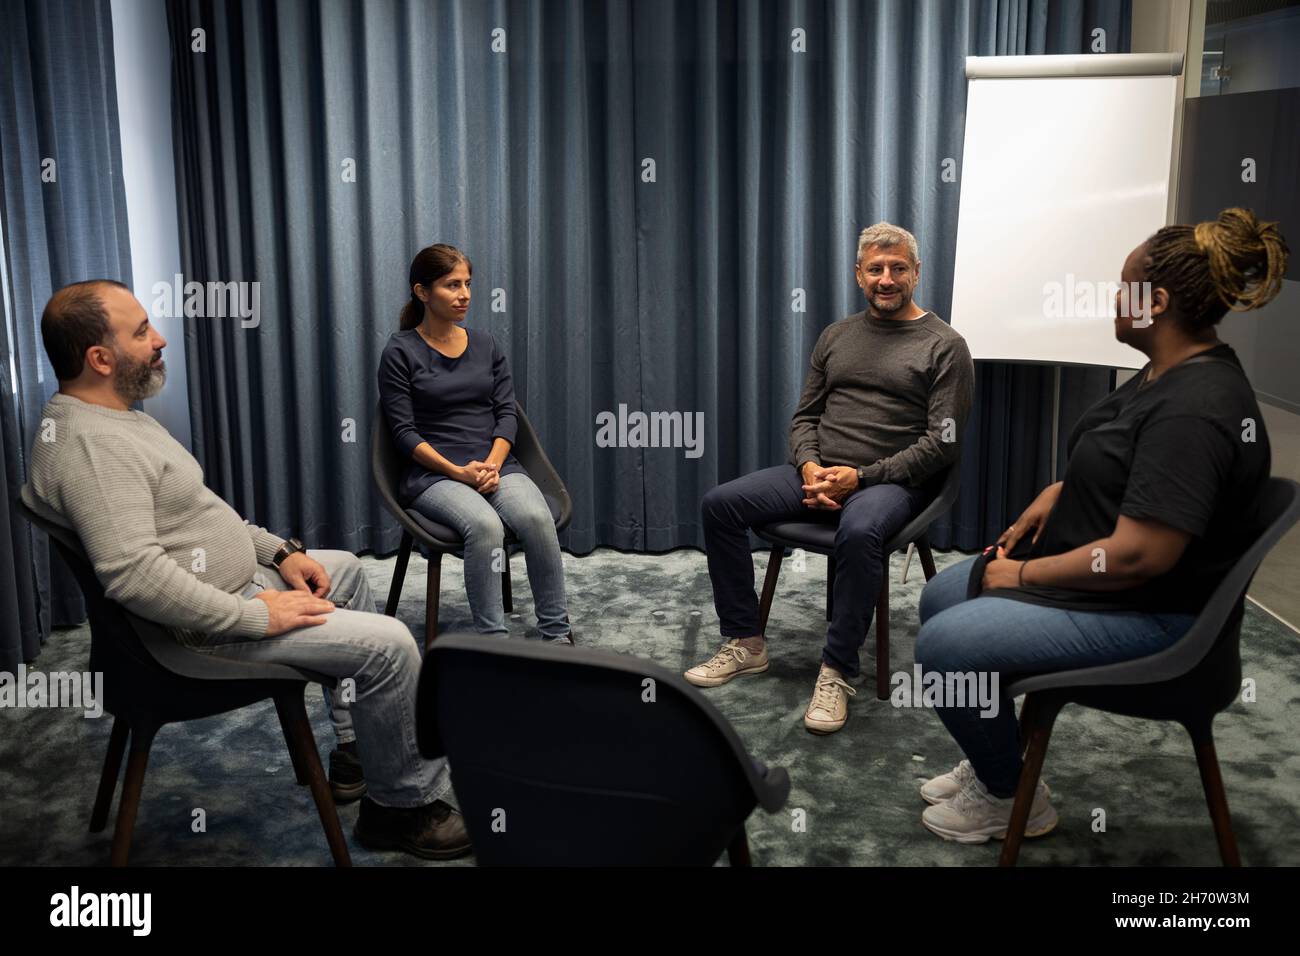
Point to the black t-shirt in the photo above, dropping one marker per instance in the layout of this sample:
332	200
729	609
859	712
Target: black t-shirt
1188	450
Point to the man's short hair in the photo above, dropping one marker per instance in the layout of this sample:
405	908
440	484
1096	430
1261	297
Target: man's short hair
888	236
74	320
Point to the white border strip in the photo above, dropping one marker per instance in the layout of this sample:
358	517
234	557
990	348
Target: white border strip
1273	614
1073	64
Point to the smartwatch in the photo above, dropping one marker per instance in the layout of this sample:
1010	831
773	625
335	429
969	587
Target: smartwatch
292	546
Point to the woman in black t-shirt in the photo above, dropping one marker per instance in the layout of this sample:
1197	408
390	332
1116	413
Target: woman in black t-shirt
1113	562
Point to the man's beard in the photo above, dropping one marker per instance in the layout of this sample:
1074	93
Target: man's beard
885	308
136	381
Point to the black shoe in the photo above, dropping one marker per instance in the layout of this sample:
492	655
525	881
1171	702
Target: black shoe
432	832
347	781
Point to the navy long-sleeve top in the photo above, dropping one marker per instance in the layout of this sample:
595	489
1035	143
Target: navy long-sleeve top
460	406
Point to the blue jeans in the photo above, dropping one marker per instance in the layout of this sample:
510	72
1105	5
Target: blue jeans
1010	638
380	657
481	521
868	518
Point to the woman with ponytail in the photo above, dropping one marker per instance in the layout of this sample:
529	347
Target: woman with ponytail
450	405
1114	562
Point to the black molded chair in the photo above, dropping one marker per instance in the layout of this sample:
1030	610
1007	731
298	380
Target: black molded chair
818	536
388	467
1190	682
586	757
151	680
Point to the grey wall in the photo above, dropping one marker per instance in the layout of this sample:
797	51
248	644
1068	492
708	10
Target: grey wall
1219	133
142	57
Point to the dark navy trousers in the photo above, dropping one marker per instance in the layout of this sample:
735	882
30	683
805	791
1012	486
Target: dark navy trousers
868	519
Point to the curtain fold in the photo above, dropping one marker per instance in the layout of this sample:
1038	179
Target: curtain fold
63	216
661	200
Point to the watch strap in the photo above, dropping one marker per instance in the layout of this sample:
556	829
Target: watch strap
292	546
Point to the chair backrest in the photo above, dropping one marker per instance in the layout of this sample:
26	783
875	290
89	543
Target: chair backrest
388	467
585	757
1219	622
528	449
114	642
949	486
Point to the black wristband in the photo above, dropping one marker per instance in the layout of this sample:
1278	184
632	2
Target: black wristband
1020	578
292	546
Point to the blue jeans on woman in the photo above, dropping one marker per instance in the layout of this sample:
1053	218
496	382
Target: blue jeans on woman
1012	638
481	521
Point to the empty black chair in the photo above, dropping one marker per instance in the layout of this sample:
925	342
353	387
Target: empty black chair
818	535
388	466
151	680
1190	683
587	757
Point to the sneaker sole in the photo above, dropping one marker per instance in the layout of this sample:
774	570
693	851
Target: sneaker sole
822	728
935	801
1035	828
424	853
719	681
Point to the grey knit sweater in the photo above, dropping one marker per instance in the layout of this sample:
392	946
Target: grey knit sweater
162	543
889	395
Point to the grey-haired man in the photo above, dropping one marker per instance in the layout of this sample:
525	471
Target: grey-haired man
887	394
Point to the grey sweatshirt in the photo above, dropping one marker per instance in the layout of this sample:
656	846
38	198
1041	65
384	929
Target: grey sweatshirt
889	395
162	543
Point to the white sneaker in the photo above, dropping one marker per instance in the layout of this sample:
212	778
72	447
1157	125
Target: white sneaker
829	708
732	661
948	785
974	815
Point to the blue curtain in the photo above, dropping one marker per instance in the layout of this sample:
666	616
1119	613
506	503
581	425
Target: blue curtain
661	199
61	222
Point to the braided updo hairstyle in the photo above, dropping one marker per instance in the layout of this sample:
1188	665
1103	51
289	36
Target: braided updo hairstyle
1235	262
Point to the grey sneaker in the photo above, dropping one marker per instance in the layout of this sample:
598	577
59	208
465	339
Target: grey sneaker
732	661
829	708
974	815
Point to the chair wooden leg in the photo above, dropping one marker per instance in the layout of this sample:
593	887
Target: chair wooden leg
431	599
830	587
1027	708
927	557
507	599
1215	797
774	560
882	635
399	575
108	779
129	806
1042	715
300	771
302	750
738	850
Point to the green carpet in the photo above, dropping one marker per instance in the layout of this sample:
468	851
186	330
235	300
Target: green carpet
856	788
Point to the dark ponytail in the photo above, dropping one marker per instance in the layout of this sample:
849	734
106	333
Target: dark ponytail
429	265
